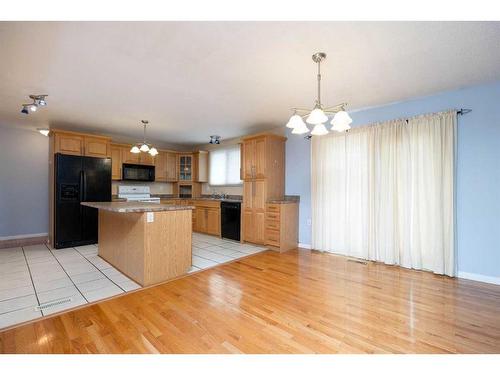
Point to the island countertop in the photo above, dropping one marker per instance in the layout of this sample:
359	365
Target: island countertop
124	207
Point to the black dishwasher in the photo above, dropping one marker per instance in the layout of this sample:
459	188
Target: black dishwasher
230	220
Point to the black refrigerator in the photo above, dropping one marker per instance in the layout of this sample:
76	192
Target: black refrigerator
79	179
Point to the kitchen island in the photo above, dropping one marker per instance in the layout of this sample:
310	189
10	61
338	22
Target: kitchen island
148	242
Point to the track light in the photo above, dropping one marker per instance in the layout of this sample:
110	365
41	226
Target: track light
214	140
38	101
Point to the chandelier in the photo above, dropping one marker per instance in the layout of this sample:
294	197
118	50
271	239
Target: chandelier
144	147
319	115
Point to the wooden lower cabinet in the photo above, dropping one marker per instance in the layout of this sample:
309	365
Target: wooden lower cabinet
282	222
207	217
254	211
213	221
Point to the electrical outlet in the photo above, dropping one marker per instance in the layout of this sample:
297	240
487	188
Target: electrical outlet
150	217
309	222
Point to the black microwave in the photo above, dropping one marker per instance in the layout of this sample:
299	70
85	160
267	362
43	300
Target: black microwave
137	172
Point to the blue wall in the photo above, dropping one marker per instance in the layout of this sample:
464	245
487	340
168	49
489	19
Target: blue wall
478	170
24	182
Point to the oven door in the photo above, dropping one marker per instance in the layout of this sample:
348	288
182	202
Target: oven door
136	172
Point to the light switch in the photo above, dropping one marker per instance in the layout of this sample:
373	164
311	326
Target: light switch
150	217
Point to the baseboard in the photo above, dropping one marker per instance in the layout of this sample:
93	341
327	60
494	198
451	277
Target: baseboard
479	277
23	240
305	246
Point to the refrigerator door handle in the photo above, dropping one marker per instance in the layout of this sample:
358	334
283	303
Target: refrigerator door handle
81	185
84	187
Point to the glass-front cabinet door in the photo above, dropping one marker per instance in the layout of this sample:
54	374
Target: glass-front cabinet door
185	167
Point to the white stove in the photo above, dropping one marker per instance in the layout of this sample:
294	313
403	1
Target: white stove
136	193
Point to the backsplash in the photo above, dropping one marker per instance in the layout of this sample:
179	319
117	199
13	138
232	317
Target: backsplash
156	187
206	189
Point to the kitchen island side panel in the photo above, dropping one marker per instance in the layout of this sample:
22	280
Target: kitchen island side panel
168	246
121	242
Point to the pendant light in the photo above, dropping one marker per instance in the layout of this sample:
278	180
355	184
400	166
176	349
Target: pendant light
318	116
144	146
341	121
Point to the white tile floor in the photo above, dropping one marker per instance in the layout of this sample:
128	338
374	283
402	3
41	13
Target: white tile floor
36	281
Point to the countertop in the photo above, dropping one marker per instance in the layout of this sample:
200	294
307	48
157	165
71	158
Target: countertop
125	207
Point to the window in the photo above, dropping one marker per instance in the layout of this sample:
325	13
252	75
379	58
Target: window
225	166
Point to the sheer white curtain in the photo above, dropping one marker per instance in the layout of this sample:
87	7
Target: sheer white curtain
386	192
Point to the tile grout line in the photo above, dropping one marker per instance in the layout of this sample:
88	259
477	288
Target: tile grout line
31	277
106	276
57	260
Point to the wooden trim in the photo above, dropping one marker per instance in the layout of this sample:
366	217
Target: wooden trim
263	134
23	241
70	132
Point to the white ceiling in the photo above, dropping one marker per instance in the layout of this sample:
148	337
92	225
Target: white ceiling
195	79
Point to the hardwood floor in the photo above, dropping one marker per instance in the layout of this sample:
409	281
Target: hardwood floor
295	302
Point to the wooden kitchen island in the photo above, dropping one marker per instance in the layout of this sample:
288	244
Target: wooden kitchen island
148	242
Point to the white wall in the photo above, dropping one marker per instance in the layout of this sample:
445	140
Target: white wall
24	182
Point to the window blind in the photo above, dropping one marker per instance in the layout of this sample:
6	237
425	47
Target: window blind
224	166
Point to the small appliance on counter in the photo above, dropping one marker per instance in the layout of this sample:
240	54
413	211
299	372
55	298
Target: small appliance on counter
136	193
230	220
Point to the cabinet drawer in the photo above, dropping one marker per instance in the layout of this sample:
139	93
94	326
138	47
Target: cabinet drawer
272	237
272	216
273	224
273	208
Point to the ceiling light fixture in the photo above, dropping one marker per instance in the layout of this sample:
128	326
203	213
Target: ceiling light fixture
319	115
214	140
143	146
44	132
38	101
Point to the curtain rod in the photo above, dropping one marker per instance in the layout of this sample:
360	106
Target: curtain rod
461	112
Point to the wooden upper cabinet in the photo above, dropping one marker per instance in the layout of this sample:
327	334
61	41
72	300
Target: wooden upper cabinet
254	158
200	166
116	162
68	143
129	157
260	158
72	143
161	166
185	167
146	159
171	166
97	147
249	159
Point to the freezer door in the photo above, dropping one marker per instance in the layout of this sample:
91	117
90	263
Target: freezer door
68	178
96	188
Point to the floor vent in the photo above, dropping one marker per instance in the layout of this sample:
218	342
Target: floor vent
53	303
357	261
